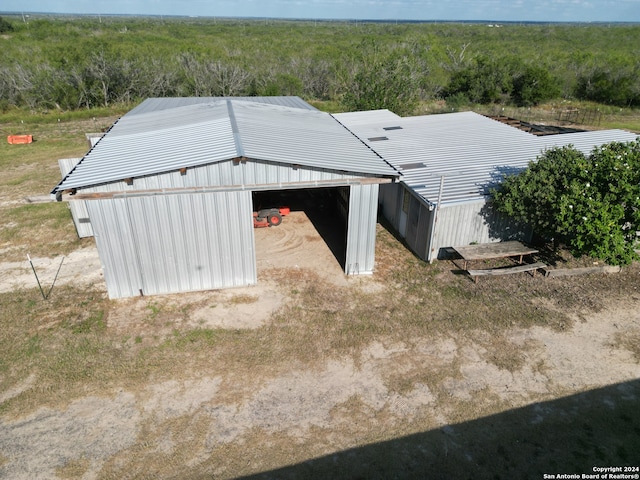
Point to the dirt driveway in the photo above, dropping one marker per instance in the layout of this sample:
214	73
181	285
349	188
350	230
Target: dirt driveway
216	422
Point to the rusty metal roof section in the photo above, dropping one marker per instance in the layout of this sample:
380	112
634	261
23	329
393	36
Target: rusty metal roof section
472	152
173	138
538	129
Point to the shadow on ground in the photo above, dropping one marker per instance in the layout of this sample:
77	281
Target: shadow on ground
571	435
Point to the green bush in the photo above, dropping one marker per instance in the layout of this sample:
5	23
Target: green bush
534	86
590	202
386	83
491	80
86	62
487	81
617	86
5	26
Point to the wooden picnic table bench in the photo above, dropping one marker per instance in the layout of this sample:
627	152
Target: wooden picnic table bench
488	251
525	267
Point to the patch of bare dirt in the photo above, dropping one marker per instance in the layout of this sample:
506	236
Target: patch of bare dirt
90	428
299	401
384	386
80	267
296	244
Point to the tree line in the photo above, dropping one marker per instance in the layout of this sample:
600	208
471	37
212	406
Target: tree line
82	62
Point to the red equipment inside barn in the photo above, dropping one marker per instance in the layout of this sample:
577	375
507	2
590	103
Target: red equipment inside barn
269	217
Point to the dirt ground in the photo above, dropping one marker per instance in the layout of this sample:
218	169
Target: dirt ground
91	432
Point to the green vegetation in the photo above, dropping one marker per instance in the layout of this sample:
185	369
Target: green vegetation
67	63
502	81
383	81
5	26
591	202
63	77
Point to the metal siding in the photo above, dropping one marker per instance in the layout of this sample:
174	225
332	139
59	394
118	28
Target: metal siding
469	223
391	200
175	243
425	224
116	246
228	173
473	152
78	208
413	216
155	238
168	140
361	229
158	104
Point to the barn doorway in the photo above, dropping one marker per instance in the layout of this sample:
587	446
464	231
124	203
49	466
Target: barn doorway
312	236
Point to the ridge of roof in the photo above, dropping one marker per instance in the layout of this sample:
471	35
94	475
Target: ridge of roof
154	104
471	151
168	139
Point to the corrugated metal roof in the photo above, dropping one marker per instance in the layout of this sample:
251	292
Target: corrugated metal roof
359	118
157	104
471	151
312	139
168	139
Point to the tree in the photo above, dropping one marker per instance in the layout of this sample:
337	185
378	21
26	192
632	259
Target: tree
386	83
105	74
486	81
282	84
614	86
5	26
212	78
533	86
494	81
591	202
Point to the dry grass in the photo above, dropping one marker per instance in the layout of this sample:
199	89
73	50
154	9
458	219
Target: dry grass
73	469
32	170
602	117
67	343
72	347
243	298
629	341
502	351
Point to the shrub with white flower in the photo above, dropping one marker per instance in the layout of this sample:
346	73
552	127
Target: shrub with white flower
590	202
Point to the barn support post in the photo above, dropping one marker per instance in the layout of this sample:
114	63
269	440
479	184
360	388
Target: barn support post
435	221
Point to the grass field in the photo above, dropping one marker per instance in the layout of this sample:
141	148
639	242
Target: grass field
415	373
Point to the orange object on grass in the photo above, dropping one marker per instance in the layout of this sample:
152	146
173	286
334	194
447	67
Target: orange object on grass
18	139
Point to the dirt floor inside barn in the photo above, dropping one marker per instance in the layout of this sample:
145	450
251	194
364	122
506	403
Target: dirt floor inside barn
413	372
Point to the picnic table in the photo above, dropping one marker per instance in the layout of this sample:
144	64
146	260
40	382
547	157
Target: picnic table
487	251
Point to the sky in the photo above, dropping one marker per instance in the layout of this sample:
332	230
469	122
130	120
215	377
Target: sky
468	10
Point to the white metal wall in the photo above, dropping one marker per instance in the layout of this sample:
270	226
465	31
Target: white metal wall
414	224
391	202
455	224
78	208
361	229
228	173
473	222
157	244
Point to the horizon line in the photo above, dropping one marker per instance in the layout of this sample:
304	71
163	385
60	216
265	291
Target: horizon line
318	19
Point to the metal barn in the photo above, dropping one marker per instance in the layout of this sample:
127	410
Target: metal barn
448	163
168	189
78	209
